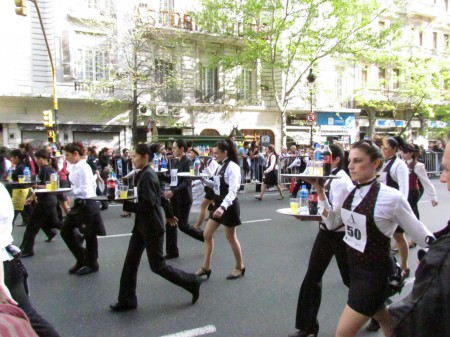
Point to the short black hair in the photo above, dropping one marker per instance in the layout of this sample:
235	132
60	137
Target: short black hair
143	149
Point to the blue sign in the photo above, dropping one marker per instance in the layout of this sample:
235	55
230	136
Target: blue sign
343	120
389	123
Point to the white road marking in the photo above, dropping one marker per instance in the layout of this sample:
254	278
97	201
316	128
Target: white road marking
194	332
262	220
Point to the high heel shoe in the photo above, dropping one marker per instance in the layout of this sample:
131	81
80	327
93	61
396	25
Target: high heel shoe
281	197
258	198
202	271
233	277
125	215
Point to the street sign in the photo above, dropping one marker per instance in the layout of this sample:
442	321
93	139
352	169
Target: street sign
311	117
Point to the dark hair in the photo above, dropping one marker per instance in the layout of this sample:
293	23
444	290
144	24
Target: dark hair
410	148
395	142
43	153
337	152
75	147
371	149
92	150
181	143
17	153
228	145
271	148
188	144
2	166
246	142
124	150
143	149
154	147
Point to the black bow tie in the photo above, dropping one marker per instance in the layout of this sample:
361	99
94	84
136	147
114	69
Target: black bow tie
357	186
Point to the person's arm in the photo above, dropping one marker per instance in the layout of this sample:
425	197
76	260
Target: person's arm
404	215
402	173
421	173
272	159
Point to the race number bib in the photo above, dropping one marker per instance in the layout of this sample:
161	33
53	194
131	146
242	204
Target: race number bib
173	177
216	187
355	229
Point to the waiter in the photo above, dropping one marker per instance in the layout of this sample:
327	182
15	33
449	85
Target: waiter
180	196
329	242
85	213
148	233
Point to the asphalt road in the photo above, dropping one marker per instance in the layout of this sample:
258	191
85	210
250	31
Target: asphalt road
276	250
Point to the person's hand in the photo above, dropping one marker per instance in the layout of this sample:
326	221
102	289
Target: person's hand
218	213
29	200
173	221
168	194
5	295
434	203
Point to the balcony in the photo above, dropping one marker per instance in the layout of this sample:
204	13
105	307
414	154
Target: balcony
215	97
422	8
93	88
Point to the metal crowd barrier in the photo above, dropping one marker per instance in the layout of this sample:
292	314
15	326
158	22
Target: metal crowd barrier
433	162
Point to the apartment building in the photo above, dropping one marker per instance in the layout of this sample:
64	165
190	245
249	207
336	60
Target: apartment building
203	101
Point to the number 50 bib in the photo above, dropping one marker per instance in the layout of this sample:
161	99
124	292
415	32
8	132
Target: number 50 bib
355	229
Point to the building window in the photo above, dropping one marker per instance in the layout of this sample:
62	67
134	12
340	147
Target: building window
382	78
435	40
446	5
420	38
163	72
91	65
446	41
208	84
364	75
396	79
246	85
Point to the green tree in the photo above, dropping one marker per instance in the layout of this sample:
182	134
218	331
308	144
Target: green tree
287	37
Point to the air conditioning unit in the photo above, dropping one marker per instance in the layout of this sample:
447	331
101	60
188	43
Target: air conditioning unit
162	110
176	112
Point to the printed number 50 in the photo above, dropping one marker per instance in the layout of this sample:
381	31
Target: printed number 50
354	232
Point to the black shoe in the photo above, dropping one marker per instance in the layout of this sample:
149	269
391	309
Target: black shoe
87	270
233	277
26	254
103	208
301	333
171	256
373	325
120	307
203	272
50	237
195	290
76	267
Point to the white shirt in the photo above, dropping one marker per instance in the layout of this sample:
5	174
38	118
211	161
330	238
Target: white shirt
337	188
390	208
273	161
421	173
399	173
82	180
6	219
232	177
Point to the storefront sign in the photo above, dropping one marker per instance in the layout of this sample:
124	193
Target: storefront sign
389	123
345	121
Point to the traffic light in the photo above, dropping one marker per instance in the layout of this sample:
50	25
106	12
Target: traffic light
21	7
48	117
51	136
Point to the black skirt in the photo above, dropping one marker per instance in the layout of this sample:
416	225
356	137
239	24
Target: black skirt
271	178
230	217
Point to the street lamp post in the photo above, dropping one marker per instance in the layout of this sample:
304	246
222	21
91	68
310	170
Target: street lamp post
311	78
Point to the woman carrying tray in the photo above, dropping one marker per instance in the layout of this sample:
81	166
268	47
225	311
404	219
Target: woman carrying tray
226	211
368	230
44	215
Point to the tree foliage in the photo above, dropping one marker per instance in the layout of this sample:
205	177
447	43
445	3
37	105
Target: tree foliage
290	36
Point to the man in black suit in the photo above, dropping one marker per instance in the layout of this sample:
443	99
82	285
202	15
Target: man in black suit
148	233
180	196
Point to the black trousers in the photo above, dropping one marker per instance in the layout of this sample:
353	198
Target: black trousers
413	200
45	217
326	245
15	280
154	247
182	213
85	215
